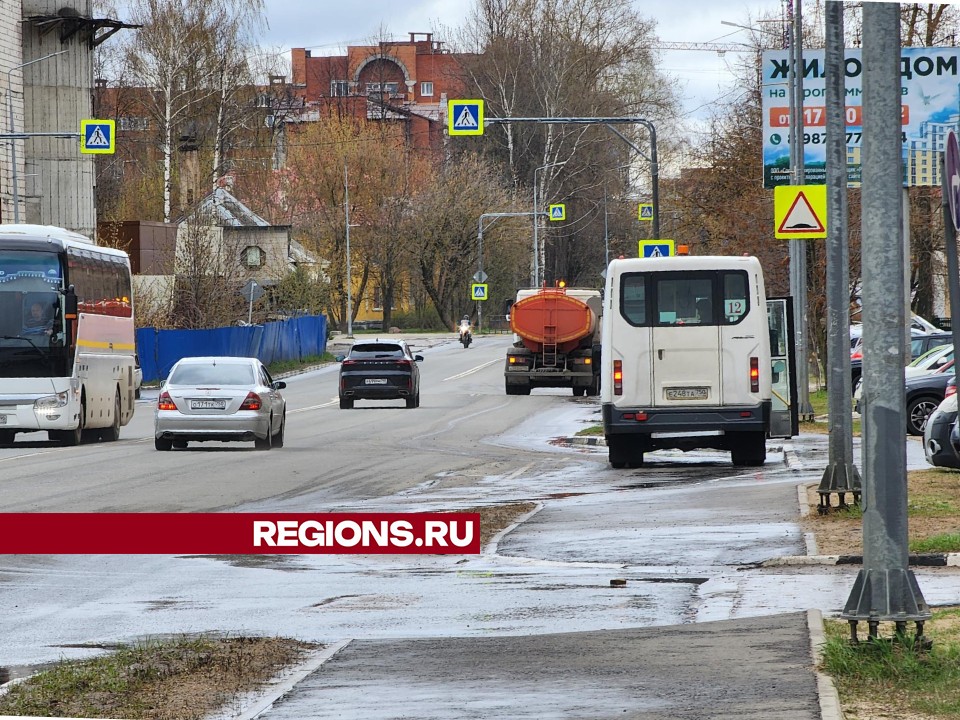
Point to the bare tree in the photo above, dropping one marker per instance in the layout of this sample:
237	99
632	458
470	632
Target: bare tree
561	58
187	53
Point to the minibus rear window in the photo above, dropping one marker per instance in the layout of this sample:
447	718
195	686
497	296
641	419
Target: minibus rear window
691	298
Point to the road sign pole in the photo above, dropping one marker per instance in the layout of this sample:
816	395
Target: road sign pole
841	476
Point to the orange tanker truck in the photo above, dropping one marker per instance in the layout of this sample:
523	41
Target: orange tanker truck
556	341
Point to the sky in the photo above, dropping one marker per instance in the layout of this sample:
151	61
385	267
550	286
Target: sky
704	76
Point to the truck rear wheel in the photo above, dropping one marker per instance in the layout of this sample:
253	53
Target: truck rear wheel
518	389
579	391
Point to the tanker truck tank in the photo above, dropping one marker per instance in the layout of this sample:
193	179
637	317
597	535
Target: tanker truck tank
556	341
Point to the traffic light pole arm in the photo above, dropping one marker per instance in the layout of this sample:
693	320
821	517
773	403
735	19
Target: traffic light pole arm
609	122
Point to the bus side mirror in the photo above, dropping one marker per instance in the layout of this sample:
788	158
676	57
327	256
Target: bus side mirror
70	303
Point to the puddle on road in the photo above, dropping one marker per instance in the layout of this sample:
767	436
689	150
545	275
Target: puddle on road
18	672
263	562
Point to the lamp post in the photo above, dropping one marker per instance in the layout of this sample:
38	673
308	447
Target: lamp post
13	142
346	211
494	216
535	266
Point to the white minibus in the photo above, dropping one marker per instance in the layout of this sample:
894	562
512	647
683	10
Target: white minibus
685	357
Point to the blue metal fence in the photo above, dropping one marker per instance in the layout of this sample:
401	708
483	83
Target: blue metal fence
292	339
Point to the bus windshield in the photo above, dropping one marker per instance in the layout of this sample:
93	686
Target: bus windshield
31	317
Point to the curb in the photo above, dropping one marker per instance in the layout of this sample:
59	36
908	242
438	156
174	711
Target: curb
258	703
926	560
830	708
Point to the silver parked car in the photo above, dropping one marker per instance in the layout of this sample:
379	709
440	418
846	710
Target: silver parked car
220	398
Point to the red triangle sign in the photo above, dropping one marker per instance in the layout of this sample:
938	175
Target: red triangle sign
801	218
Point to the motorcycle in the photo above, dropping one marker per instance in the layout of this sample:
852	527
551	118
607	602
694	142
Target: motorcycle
465	335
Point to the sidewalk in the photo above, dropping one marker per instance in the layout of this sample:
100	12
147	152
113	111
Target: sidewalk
744	651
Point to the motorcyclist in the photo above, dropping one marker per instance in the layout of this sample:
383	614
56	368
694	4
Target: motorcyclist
465	329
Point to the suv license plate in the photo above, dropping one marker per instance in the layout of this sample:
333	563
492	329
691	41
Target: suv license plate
686	393
208	404
376	381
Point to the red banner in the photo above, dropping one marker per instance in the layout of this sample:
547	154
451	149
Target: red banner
239	533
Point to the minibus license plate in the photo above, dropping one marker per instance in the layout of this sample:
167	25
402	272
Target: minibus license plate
208	404
686	393
376	381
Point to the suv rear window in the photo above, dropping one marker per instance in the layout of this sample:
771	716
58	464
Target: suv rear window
376	350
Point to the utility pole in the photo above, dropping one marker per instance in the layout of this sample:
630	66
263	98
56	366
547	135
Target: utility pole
885	588
346	211
798	249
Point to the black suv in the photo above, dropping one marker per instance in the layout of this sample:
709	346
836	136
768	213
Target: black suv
379	370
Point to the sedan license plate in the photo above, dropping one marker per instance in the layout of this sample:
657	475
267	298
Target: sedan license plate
208	404
376	381
3	419
686	393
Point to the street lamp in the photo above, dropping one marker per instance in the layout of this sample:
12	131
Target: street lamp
606	236
13	142
346	211
535	266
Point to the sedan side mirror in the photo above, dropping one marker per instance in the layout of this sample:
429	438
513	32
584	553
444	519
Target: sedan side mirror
418	358
339	358
279	385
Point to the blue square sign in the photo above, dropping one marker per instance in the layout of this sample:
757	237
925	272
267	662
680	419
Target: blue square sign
97	136
465	117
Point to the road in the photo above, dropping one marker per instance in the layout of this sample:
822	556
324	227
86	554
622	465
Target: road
379	448
697	631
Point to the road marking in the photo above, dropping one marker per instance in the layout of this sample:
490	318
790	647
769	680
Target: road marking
473	370
456	421
314	407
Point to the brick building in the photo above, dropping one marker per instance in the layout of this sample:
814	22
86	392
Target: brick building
405	81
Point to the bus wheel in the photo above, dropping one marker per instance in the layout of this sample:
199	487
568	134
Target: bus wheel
71	438
749	450
112	433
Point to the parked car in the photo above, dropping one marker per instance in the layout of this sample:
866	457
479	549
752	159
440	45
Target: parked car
932	359
937	446
920	344
924	394
379	370
220	398
137	376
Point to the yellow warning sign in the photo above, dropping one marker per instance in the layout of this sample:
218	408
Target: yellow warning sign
800	212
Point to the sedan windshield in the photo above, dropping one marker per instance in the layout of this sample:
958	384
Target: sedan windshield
212	374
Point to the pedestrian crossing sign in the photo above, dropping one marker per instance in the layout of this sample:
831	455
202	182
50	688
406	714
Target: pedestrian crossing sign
657	248
558	212
97	137
478	291
645	211
465	117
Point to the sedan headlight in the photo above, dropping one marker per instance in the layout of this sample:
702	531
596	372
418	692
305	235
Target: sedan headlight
51	403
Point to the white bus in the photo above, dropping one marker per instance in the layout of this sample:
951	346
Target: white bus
685	358
66	336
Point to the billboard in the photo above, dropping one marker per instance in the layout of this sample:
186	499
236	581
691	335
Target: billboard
930	107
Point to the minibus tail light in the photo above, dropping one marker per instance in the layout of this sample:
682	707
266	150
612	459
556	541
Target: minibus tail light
618	377
754	374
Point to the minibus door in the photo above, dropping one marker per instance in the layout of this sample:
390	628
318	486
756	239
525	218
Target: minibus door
686	340
784	420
